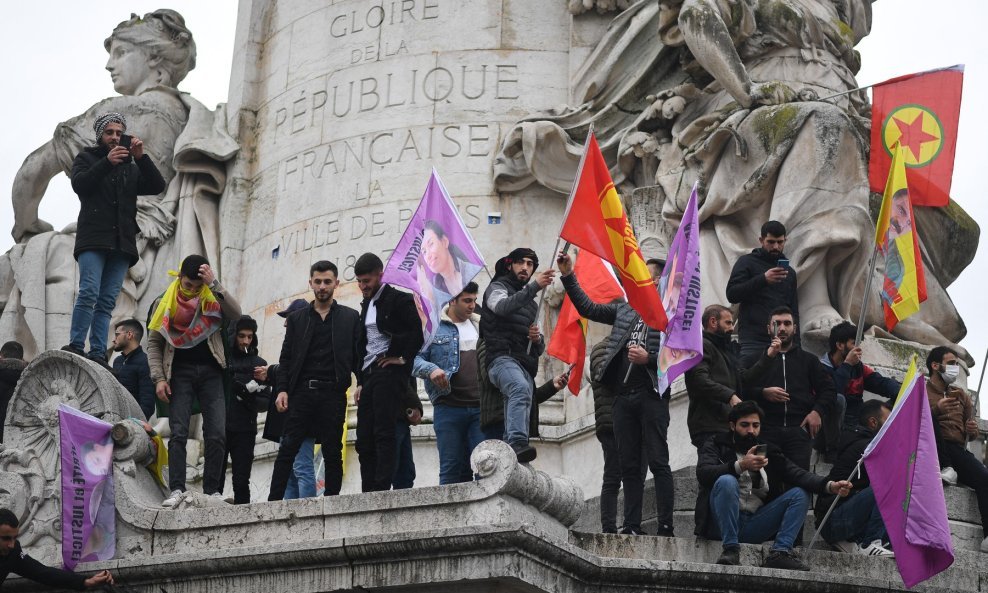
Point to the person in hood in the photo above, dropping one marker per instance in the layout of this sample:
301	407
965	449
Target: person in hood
513	342
248	397
760	282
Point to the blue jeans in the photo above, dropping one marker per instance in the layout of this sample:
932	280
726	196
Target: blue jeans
517	387
101	274
780	519
302	481
205	383
856	519
457	433
404	476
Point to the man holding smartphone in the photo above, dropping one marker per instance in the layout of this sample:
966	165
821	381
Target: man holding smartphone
107	177
761	281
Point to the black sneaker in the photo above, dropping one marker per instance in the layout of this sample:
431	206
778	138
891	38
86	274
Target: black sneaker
730	556
664	531
784	560
525	453
609	530
100	360
631	531
73	350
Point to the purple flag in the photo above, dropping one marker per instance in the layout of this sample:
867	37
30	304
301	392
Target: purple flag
682	342
435	257
88	509
905	476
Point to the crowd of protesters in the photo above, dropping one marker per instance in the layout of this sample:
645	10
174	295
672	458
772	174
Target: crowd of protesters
758	404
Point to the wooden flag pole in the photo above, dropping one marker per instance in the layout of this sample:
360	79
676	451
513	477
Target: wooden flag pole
867	297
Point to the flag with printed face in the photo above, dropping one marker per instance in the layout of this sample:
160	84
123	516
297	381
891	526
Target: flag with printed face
905	477
920	112
88	507
904	285
569	339
595	221
436	257
682	341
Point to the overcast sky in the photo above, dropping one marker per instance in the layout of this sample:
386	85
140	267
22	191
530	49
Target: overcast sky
55	70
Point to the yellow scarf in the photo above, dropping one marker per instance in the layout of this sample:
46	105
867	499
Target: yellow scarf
204	322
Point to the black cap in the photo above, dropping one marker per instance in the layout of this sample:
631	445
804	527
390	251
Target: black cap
295	306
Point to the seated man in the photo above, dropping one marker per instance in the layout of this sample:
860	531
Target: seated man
851	376
856	525
743	496
954	417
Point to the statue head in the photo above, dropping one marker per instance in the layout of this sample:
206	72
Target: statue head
154	50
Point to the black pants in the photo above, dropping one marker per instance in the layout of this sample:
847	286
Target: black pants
318	414
794	441
240	453
611	484
377	411
970	472
641	421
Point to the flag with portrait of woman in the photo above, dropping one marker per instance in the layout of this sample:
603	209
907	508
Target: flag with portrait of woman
436	256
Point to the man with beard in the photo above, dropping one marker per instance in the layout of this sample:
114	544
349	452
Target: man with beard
760	282
131	367
714	386
856	524
750	492
795	391
394	336
108	178
640	412
956	423
323	348
187	359
513	342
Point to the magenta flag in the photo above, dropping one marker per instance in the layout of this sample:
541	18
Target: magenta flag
682	342
905	476
88	509
435	257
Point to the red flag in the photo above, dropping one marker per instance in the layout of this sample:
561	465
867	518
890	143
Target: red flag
596	221
568	342
921	112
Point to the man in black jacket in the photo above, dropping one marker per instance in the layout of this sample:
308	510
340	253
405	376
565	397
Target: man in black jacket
761	281
394	336
323	347
248	397
750	492
12	365
15	560
513	341
714	386
108	178
856	525
641	413
131	367
795	391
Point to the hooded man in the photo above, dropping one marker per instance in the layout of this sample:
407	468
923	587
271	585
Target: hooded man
513	342
247	399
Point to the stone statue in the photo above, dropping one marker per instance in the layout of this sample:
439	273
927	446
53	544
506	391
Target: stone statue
148	57
730	94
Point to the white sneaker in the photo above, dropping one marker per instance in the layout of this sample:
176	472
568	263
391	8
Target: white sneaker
875	548
984	545
949	476
172	500
846	547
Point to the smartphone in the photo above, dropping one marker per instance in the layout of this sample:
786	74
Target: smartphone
775	329
761	450
783	263
125	141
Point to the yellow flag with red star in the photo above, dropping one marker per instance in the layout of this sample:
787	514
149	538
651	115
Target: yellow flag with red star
596	221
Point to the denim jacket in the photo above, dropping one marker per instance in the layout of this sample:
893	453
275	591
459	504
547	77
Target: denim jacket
443	353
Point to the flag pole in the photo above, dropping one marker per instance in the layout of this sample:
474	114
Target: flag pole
862	317
628	374
569	204
856	472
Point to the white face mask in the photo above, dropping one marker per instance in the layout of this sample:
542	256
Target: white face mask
949	373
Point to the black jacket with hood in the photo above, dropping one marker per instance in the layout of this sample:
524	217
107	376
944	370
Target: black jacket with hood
748	286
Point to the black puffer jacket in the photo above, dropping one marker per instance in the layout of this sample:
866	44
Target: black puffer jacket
108	195
748	286
623	318
508	311
603	395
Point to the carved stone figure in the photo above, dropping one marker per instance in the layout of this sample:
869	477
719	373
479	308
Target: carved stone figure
729	95
148	57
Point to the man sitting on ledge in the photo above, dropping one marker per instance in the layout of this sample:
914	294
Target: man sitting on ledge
743	496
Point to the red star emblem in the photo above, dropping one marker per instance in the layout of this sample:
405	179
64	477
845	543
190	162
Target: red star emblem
912	135
620	226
